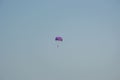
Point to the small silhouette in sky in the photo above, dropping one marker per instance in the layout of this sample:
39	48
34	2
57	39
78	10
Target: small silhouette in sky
58	39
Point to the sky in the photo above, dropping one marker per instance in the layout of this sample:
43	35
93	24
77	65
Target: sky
91	40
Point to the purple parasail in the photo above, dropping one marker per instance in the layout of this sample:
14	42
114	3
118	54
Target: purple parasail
59	38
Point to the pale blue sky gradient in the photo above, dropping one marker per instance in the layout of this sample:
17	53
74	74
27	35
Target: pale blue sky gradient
91	46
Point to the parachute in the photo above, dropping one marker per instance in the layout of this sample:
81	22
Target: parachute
58	39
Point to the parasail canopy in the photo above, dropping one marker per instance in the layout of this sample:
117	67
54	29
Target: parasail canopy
58	38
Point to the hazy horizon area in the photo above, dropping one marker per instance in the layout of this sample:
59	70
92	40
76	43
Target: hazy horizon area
91	40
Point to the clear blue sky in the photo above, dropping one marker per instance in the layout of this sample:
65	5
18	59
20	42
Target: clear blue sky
91	46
